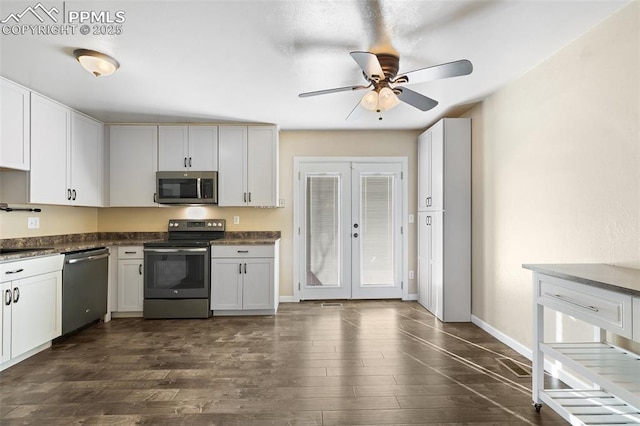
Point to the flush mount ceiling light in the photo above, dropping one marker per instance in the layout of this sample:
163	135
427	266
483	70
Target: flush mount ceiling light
96	63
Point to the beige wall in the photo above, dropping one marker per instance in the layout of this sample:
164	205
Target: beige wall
292	144
556	171
54	220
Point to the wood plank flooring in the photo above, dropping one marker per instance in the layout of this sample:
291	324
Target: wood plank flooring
365	362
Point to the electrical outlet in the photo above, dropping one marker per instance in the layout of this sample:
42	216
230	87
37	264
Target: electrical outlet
33	222
236	220
281	202
411	275
411	218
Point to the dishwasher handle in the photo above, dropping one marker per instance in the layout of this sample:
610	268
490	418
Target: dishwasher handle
85	259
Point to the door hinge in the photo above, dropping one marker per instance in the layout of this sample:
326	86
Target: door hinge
298	286
401	175
298	230
401	230
298	175
401	285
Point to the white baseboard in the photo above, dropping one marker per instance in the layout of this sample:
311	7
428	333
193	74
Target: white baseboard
411	297
512	343
526	352
289	299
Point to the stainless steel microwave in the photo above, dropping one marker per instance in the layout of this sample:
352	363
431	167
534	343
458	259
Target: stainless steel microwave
187	187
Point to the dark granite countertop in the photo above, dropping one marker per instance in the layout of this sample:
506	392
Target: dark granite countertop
610	277
65	243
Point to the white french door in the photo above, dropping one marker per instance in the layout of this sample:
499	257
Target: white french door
350	242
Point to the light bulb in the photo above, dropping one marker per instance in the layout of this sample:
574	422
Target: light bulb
370	101
387	99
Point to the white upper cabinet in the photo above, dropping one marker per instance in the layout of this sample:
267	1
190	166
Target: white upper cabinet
431	170
248	166
86	160
14	126
187	148
66	160
133	159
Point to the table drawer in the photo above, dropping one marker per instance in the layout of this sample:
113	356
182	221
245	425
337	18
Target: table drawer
606	309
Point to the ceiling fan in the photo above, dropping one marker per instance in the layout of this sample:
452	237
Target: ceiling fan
380	70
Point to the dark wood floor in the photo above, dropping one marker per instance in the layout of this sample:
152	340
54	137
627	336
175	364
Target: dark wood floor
367	362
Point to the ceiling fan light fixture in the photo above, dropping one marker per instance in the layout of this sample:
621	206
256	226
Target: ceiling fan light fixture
98	64
387	99
370	101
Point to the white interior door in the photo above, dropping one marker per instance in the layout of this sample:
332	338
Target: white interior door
350	239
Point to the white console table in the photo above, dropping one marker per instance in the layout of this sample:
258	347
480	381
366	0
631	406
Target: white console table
607	297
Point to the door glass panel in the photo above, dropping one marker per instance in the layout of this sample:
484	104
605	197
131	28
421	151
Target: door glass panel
376	230
323	231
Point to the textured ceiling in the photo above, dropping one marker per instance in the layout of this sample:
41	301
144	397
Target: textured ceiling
248	60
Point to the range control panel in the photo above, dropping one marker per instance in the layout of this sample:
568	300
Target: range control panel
198	225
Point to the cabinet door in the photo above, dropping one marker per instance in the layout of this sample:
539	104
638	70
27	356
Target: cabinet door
232	167
437	265
203	148
424	170
130	285
257	290
262	166
425	259
437	166
226	284
5	322
172	148
35	311
14	131
50	123
133	164
86	161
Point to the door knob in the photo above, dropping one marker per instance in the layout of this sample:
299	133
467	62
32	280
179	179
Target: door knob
355	225
355	235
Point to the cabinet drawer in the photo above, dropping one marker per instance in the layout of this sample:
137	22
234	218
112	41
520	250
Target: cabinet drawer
130	252
243	251
19	269
603	308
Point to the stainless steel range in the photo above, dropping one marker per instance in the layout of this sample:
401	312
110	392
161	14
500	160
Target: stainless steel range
177	278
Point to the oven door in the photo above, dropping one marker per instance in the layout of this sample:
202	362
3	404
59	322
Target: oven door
177	272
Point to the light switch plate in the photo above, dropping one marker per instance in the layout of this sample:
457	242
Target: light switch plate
411	218
33	222
236	220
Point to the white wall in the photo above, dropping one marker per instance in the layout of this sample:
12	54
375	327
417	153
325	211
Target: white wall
556	171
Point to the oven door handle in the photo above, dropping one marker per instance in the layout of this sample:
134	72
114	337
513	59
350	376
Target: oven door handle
177	250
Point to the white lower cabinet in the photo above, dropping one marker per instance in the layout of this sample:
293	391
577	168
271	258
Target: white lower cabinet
130	279
244	279
31	306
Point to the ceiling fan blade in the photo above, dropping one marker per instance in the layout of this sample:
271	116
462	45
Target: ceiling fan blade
337	89
450	69
415	99
370	65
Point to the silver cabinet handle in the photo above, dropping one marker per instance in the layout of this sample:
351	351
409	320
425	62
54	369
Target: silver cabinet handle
245	197
74	195
16	294
189	161
249	197
239	268
7	297
140	269
69	194
85	259
245	268
15	271
185	161
573	302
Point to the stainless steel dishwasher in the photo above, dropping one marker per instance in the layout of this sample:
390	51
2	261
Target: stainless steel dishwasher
84	287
